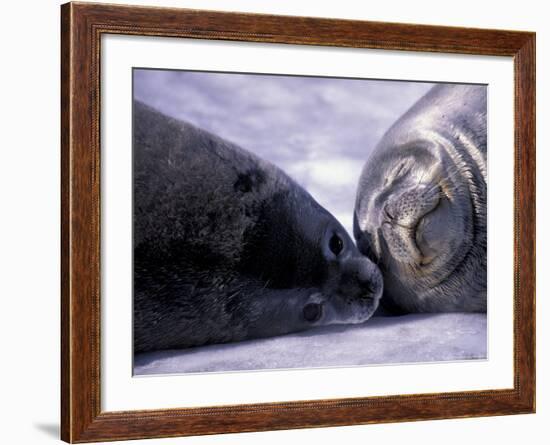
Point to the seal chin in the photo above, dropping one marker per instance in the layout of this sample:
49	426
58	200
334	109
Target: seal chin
440	233
433	239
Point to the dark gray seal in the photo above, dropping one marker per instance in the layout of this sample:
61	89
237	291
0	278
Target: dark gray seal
421	208
227	247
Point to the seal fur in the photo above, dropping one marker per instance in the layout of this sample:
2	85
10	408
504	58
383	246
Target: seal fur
227	247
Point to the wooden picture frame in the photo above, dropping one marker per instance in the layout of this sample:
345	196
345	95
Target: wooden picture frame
82	25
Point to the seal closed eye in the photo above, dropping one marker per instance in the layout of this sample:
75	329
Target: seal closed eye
227	247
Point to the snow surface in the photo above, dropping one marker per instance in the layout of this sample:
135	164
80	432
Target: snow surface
381	340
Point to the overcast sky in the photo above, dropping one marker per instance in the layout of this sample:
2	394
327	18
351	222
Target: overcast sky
318	130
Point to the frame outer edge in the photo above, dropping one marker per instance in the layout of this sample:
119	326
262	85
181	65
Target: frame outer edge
80	236
525	171
81	416
66	79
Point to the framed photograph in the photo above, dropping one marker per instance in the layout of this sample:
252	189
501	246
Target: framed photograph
274	222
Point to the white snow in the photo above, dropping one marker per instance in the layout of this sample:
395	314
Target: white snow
381	340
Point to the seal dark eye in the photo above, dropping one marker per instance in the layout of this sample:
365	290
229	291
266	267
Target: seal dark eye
313	312
336	244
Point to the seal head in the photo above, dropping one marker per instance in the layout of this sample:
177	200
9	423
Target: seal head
227	247
421	204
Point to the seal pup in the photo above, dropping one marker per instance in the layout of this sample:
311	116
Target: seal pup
227	247
421	207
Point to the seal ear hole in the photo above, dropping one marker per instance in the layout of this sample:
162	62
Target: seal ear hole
246	182
335	244
313	312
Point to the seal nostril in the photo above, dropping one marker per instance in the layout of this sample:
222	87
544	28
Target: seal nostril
388	213
313	312
371	288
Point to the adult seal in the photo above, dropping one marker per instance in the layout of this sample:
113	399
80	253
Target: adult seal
227	247
421	208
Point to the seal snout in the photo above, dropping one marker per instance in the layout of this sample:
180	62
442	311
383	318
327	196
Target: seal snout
403	221
371	284
371	287
357	292
361	280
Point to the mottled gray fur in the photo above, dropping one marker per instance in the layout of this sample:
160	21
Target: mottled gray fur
421	207
227	247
